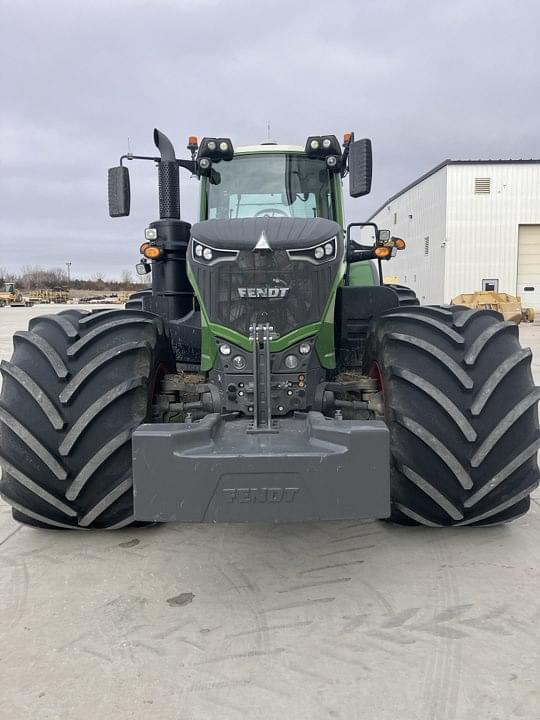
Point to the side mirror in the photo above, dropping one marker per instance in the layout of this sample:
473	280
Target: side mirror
119	192
360	167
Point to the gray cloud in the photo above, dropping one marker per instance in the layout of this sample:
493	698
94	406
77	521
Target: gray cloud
425	80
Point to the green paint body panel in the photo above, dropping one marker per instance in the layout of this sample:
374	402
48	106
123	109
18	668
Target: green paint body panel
338	200
208	344
362	273
323	331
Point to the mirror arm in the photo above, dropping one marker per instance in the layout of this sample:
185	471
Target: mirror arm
190	165
345	161
362	252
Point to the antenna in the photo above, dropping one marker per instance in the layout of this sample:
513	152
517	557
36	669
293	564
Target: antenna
268	140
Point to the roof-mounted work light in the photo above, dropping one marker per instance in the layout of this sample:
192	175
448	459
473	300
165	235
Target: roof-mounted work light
327	147
322	146
216	149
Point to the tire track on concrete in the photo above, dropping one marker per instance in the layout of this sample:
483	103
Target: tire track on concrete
301	603
442	676
17	597
10	535
347	550
251	597
308	586
240	656
330	567
270	628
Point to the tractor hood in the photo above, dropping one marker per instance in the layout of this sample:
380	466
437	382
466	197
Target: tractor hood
280	232
256	270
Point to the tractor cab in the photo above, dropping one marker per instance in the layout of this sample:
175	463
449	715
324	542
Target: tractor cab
272	181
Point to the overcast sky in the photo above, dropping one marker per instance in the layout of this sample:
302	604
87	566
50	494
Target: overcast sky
424	80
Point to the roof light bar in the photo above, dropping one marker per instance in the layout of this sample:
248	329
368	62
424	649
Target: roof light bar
322	146
216	149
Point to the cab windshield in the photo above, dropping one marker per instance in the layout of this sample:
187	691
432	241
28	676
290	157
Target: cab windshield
270	185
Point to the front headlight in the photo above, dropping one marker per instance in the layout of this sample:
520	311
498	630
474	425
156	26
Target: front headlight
239	362
291	362
317	254
207	255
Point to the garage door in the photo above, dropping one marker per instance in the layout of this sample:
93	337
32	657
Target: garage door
528	279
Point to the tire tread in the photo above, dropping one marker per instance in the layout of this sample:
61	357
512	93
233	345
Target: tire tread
462	415
91	375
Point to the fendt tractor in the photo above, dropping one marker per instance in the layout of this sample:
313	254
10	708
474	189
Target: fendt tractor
267	373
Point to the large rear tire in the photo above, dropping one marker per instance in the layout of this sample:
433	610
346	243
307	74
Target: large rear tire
460	403
406	295
136	300
76	388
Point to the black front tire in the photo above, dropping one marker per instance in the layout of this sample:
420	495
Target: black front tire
76	388
461	406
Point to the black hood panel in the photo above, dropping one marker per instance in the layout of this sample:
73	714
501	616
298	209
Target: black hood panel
281	233
236	293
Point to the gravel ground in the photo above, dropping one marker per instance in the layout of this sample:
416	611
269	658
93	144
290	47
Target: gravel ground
307	621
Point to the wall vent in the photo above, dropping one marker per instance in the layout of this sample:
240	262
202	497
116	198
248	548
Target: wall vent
482	186
426	245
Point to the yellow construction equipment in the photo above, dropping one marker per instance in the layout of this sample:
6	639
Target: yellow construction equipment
57	295
9	295
509	306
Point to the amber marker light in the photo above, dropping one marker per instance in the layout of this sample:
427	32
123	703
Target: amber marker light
152	252
382	252
347	137
399	243
143	247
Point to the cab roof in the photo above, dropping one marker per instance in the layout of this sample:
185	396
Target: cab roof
268	148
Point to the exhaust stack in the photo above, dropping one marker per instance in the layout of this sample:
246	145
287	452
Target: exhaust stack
169	182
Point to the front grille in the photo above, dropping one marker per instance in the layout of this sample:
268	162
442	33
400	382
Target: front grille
309	287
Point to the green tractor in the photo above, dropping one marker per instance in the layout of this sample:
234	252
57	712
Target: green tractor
268	374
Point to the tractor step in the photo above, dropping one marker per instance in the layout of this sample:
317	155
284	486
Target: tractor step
313	468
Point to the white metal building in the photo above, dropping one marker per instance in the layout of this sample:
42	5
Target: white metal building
469	225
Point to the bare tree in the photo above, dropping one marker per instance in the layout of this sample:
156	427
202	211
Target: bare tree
37	277
34	277
126	277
